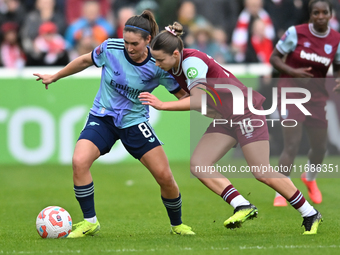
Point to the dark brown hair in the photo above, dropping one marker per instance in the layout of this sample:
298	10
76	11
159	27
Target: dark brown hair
145	24
169	40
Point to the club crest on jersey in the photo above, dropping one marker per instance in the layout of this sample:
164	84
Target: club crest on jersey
307	44
284	37
328	48
99	50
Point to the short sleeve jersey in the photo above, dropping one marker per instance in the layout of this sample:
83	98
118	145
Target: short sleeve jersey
306	48
196	66
122	80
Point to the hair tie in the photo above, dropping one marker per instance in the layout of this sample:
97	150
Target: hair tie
137	28
171	31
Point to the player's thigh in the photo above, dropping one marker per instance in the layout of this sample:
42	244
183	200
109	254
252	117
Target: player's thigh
85	153
96	139
211	148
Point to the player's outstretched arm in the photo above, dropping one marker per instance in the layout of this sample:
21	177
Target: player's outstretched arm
75	66
185	103
148	99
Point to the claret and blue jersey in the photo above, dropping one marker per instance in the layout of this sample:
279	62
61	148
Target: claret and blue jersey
123	80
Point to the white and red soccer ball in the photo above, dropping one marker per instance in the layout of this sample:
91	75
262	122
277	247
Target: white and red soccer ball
54	222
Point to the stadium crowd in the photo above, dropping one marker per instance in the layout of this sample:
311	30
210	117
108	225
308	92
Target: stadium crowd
53	32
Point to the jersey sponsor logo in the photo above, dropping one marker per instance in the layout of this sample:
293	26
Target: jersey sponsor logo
192	73
125	90
315	58
328	48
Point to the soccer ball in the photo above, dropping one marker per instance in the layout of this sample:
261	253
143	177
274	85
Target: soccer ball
54	222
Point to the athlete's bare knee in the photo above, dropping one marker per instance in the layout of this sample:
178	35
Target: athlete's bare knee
80	163
165	179
263	177
200	168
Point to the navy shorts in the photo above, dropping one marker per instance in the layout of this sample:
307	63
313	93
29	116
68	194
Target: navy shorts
137	139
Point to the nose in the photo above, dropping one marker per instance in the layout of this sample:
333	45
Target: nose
129	48
157	63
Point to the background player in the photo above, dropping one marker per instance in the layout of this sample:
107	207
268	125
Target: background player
127	70
310	50
191	68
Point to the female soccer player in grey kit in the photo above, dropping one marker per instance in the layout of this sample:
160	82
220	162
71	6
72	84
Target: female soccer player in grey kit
195	72
310	49
127	70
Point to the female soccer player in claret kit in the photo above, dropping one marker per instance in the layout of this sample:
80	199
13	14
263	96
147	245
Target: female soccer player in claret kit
192	69
127	70
310	49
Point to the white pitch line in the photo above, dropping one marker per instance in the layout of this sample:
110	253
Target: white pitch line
128	250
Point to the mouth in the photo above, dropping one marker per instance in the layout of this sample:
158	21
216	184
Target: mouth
321	22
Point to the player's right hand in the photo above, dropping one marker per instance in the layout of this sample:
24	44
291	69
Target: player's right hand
45	79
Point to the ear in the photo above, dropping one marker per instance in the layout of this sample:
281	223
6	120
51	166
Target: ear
176	53
148	39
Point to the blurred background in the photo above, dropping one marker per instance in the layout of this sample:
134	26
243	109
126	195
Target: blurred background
38	126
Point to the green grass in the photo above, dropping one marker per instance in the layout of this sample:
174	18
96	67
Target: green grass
134	220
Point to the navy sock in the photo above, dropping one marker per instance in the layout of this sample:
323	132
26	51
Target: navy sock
173	207
85	197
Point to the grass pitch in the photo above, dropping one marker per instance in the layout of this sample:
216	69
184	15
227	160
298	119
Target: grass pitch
134	220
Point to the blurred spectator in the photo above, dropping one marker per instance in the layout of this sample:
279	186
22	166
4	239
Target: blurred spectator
49	46
11	54
122	16
117	5
88	31
241	36
12	11
263	47
150	5
167	12
29	5
278	11
74	9
204	41
45	11
221	38
220	13
188	18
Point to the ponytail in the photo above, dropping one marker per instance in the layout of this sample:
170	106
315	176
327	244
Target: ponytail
145	24
169	39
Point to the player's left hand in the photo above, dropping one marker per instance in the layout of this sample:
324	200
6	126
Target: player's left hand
336	89
148	99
